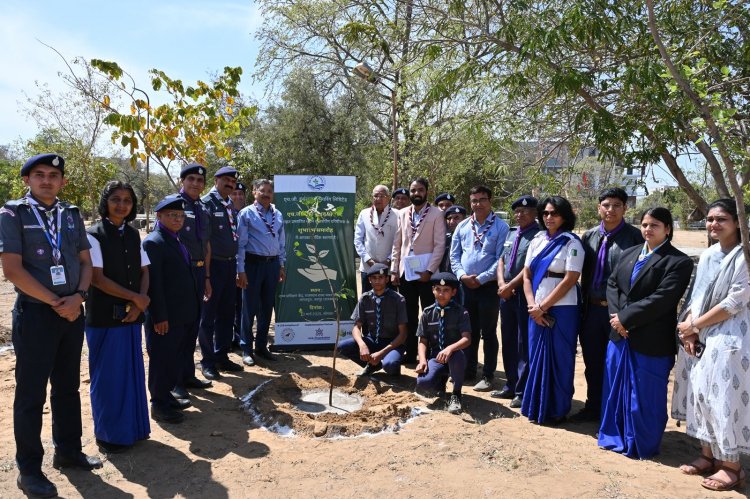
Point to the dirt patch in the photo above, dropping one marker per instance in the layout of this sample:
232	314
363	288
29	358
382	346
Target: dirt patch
275	405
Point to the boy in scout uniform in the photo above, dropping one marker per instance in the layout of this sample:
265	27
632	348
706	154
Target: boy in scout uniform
444	331
380	326
217	319
45	254
194	234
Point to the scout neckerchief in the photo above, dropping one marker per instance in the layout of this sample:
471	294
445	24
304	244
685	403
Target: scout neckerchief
643	258
183	248
441	323
259	209
379	227
478	236
197	211
378	315
230	212
50	225
514	251
120	228
601	257
415	228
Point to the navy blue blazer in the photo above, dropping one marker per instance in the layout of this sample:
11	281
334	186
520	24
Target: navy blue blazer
648	309
174	294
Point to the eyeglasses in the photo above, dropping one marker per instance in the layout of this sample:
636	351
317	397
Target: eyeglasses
478	201
174	216
553	213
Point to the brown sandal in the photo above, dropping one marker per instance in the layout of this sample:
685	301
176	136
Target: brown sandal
739	480
694	469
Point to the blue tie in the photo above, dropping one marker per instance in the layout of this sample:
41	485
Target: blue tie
377	318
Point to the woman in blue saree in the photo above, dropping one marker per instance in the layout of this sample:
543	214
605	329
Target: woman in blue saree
553	263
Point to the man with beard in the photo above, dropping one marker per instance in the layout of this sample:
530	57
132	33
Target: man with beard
373	234
400	198
215	334
475	250
418	247
194	234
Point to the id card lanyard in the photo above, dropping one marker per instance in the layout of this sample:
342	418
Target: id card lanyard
57	271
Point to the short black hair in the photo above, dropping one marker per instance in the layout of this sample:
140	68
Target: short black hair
109	189
563	207
614	192
478	189
730	206
663	215
423	181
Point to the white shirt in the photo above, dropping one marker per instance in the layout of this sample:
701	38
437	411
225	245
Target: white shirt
568	259
96	254
368	242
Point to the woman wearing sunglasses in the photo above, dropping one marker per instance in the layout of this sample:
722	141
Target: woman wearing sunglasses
642	293
553	263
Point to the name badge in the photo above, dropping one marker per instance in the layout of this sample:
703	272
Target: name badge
189	214
433	323
58	275
218	213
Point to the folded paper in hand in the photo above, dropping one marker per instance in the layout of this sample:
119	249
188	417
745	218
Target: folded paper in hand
413	264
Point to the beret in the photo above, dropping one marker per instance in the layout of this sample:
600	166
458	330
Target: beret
444	279
445	196
400	190
240	187
378	269
524	202
226	171
191	168
171	202
455	209
43	159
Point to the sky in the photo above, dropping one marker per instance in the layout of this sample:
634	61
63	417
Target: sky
187	39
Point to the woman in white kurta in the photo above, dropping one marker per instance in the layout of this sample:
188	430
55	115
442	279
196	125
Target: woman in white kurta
712	392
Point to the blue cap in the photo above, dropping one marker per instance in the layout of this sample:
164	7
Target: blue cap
445	196
191	168
455	209
401	190
226	171
378	269
240	187
52	160
524	202
444	279
171	202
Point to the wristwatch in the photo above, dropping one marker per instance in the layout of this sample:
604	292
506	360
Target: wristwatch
84	294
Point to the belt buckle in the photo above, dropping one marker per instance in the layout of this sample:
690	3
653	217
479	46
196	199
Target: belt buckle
200	263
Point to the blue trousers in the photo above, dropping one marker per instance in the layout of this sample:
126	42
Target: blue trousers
163	366
594	337
514	334
257	303
48	349
483	307
634	412
391	362
217	319
186	349
437	374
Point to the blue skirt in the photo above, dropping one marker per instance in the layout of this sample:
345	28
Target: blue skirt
118	384
634	401
552	352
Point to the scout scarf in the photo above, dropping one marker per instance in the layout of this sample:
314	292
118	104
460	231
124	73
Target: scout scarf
478	236
269	226
379	228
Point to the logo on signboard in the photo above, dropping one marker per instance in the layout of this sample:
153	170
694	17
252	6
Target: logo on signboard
316	182
287	335
319	332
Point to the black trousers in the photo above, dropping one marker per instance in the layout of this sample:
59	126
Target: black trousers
48	348
187	348
164	360
414	292
217	320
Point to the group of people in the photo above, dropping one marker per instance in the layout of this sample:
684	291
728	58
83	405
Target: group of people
616	290
210	268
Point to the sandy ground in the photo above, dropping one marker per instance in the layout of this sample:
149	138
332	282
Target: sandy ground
220	451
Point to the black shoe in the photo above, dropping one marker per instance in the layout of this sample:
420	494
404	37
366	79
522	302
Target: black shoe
266	355
585	415
79	460
210	373
36	485
502	394
180	404
179	392
229	366
110	448
167	415
197	383
370	369
517	402
454	404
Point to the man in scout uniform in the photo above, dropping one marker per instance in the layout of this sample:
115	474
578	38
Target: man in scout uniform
373	233
379	326
45	254
445	200
514	313
400	198
239	200
444	331
261	255
195	235
475	250
174	308
217	319
454	215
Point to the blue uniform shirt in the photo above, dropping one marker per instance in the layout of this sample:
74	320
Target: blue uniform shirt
223	245
392	313
470	258
258	238
195	240
456	323
523	246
